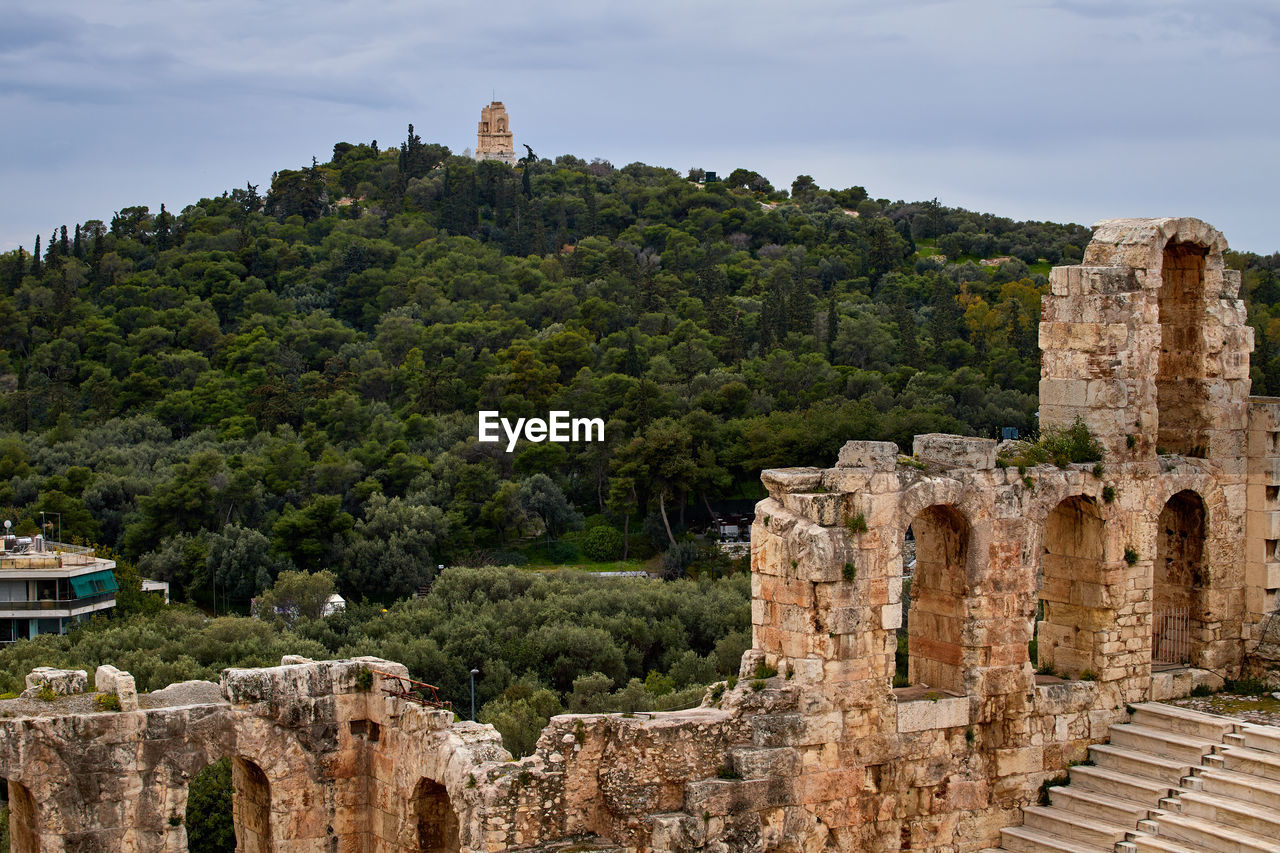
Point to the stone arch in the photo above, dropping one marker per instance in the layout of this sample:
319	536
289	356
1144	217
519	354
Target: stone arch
435	821
251	806
1182	399
24	823
1179	577
934	623
1073	611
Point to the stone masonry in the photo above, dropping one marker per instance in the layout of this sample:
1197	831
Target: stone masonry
494	140
888	703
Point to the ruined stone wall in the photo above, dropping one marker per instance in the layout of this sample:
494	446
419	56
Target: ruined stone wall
1136	578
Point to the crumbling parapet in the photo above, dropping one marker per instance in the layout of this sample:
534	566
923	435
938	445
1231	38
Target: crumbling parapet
58	682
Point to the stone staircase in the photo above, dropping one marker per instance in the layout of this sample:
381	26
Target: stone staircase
1170	781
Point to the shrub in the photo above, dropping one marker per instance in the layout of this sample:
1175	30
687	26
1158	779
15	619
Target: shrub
1108	494
1130	555
107	702
602	544
857	524
1073	444
1062	447
763	670
850	571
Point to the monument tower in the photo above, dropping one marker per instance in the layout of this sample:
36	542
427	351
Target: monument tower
494	140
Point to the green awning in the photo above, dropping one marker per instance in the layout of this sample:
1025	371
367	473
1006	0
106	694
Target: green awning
94	583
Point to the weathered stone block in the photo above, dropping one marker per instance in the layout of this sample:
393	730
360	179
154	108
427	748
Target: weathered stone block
876	455
1019	760
926	714
955	451
63	682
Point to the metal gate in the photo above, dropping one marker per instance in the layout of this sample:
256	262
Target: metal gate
1171	636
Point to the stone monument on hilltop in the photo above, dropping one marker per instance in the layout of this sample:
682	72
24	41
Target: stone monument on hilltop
494	140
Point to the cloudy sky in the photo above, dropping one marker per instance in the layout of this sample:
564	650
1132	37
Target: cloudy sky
1068	110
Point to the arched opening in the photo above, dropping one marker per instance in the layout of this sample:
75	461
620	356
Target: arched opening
434	816
1178	576
251	806
1182	399
20	828
210	818
936	608
1071	612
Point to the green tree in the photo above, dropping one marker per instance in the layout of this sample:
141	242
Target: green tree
210	828
520	714
296	595
540	496
308	535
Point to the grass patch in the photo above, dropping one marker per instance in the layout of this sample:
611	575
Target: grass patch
1247	687
107	702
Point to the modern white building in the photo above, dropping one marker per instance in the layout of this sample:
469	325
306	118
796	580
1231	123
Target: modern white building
45	587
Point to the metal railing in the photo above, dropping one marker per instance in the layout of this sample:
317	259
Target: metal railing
420	692
72	555
1171	635
56	603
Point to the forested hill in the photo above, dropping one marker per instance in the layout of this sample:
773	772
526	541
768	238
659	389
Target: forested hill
293	377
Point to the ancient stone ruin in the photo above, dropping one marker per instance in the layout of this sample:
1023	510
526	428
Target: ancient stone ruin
1137	578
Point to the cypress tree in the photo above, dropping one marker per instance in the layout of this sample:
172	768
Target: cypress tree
77	245
64	245
35	257
162	228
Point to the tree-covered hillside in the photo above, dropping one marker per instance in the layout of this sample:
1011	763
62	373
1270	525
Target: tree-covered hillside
292	378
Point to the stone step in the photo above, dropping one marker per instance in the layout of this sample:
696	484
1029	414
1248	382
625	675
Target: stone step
1241	786
1030	840
673	832
1262	738
1069	825
1200	834
1147	843
1229	811
1121	785
1142	764
1098	806
1255	762
760	762
1157	715
1162	742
